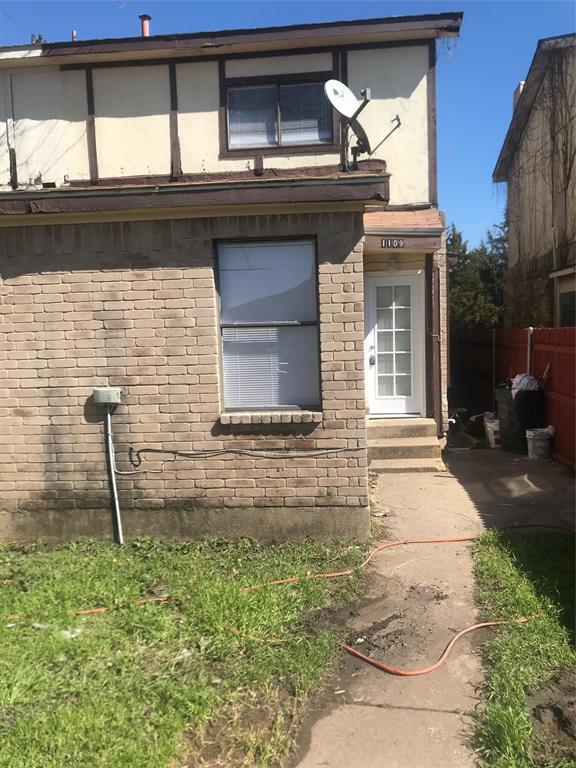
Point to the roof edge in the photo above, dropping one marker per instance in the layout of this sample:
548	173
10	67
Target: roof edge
521	113
446	23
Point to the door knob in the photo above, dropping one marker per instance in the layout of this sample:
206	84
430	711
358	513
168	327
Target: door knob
372	360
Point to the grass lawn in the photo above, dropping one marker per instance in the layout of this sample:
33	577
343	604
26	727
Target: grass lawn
155	684
523	574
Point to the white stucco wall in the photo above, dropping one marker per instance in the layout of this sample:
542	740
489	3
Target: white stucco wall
50	125
5	114
198	117
132	122
279	65
397	79
132	106
198	126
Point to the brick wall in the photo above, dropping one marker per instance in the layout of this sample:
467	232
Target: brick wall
134	304
441	263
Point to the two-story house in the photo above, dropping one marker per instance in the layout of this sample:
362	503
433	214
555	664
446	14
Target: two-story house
175	221
538	163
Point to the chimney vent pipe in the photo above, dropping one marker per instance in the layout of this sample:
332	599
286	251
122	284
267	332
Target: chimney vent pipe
145	19
74	35
517	94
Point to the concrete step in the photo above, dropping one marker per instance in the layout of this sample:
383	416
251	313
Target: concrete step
416	427
399	466
404	448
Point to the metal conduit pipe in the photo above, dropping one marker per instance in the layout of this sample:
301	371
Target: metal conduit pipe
110	467
529	351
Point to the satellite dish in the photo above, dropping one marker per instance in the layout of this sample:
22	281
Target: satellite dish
341	98
363	142
348	106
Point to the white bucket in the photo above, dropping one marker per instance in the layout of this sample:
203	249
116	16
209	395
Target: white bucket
492	430
539	441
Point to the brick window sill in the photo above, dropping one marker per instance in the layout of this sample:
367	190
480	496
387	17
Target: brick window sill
272	417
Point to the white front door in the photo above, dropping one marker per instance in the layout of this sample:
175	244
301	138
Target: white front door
394	344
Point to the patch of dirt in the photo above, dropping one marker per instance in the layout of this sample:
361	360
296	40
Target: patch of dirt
553	713
332	617
240	735
427	593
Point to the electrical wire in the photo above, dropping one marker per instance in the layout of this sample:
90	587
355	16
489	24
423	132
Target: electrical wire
136	456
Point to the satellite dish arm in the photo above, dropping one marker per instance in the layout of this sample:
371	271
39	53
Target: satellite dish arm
345	123
365	92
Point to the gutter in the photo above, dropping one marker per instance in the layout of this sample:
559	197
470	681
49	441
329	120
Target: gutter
344	179
350	189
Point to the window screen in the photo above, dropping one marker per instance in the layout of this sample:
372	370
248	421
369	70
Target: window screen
252	117
305	114
269	325
276	115
567	301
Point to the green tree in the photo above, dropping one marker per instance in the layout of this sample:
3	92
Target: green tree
477	278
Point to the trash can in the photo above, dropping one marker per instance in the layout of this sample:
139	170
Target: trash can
539	442
516	415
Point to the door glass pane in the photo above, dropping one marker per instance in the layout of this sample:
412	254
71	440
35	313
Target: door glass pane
267	282
384	296
385	319
402	341
402	318
386	363
385	341
403	386
394	340
385	386
402	295
403	362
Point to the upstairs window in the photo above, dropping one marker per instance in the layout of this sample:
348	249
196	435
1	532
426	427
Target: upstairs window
278	115
269	325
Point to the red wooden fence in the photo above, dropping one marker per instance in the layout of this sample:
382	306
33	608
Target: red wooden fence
481	358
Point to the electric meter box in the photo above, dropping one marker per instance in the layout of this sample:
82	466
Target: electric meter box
107	395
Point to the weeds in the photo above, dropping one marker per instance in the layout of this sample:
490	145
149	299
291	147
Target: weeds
522	574
130	687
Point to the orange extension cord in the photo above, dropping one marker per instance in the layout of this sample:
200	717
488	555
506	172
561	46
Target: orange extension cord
445	653
380	664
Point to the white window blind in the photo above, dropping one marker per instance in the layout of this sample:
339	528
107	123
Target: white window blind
275	115
269	325
305	114
252	117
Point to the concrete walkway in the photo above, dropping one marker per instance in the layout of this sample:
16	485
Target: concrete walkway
418	596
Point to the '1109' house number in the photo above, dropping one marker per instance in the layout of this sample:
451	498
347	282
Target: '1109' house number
392	242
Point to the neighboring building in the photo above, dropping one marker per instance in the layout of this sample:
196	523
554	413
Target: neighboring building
538	162
174	221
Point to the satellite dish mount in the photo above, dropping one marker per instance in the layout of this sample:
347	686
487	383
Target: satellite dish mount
348	107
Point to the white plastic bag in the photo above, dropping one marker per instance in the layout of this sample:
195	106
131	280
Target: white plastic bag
522	382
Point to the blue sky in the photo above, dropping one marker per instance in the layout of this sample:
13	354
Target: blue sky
476	75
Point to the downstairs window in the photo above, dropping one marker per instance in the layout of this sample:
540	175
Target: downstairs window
269	325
